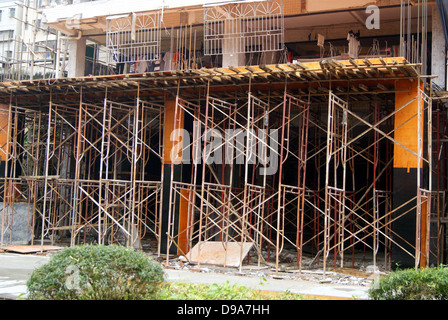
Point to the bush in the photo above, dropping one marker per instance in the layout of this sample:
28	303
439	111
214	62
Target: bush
96	272
411	284
224	291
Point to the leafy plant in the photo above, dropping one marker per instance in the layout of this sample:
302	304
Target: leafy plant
411	284
96	272
224	291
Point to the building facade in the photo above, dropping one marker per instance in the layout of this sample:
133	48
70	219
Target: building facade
231	132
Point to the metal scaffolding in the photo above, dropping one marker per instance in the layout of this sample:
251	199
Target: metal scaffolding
254	169
237	198
82	171
31	50
352	208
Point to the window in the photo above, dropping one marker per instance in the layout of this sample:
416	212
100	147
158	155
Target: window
12	12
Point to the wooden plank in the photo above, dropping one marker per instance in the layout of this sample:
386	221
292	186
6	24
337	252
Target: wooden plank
219	253
183	221
30	248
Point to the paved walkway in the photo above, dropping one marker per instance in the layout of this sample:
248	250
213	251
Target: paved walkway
323	290
15	270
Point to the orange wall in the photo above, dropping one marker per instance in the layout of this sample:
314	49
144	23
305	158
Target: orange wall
170	109
324	5
3	131
407	133
183	221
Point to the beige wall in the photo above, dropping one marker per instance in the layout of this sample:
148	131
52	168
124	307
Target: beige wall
294	6
326	5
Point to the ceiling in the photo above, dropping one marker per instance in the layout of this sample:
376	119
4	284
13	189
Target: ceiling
95	28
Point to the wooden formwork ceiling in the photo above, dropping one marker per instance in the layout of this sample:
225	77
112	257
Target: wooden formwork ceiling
359	77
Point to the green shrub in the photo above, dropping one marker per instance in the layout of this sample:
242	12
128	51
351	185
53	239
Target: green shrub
411	284
96	272
224	291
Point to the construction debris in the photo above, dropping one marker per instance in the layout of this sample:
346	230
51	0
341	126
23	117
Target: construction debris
30	249
297	165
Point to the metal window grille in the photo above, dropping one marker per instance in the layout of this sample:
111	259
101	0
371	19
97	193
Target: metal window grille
244	28
134	38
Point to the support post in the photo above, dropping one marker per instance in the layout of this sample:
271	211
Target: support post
405	174
171	172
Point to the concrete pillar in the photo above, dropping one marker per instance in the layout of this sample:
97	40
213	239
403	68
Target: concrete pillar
172	168
405	175
438	52
233	60
77	57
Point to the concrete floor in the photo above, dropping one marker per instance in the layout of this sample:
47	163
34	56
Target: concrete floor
15	270
328	291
